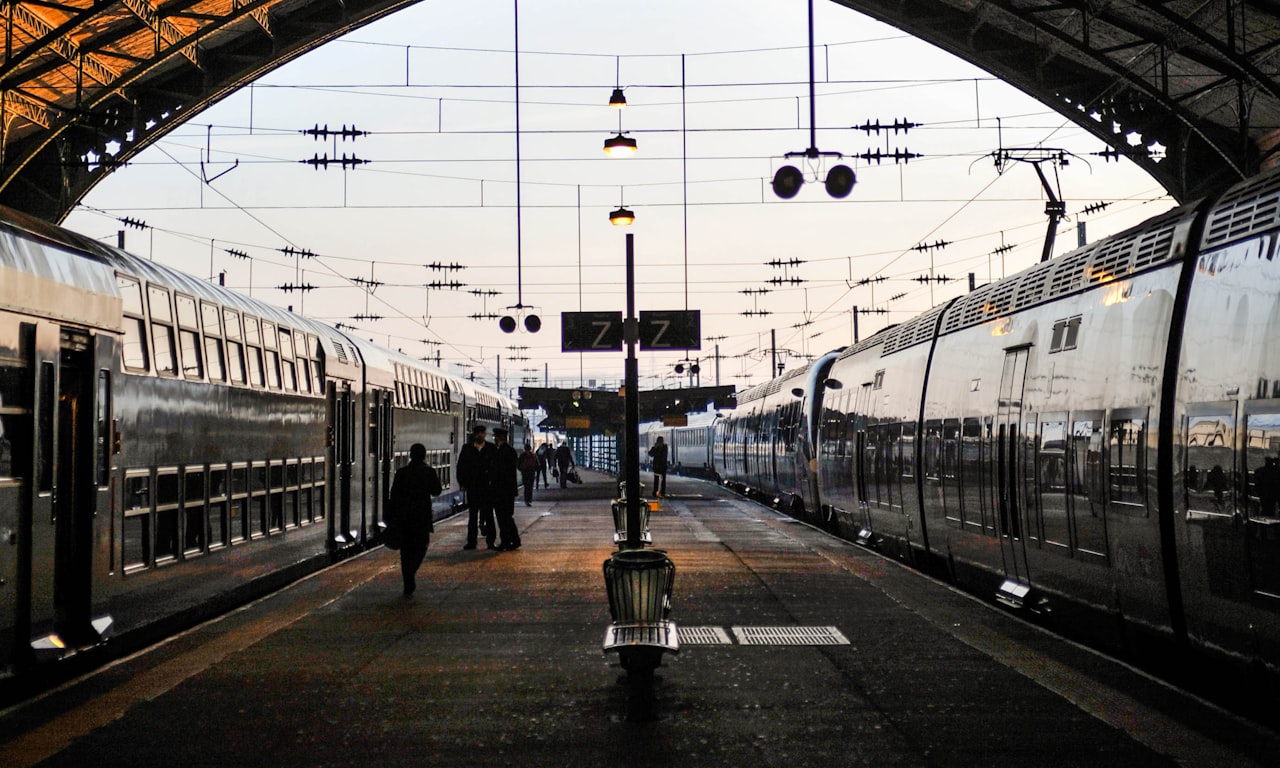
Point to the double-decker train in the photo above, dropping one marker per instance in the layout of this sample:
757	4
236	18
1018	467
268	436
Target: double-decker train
1094	439
168	446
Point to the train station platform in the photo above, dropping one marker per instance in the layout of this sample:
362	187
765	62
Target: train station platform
796	649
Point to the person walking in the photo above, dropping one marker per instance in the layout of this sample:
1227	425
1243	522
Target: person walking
475	468
505	463
564	460
545	452
409	509
658	462
528	473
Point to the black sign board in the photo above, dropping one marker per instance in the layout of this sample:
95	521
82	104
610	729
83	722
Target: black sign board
590	331
670	329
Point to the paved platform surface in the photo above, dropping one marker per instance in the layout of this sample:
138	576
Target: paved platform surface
497	661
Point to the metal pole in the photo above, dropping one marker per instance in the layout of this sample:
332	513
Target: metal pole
632	404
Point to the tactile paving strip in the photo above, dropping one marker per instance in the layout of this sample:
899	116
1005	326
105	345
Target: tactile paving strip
703	636
789	636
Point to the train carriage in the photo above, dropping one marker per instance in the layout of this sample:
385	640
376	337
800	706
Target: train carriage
1095	439
169	447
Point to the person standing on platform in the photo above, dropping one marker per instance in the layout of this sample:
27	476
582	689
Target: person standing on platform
505	463
564	460
658	461
410	509
475	468
528	473
545	452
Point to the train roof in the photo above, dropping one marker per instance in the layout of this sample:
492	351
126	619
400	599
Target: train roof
1155	242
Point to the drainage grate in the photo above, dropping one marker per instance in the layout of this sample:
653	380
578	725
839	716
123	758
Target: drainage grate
789	636
703	636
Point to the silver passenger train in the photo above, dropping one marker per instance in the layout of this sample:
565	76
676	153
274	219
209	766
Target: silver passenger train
1094	439
169	447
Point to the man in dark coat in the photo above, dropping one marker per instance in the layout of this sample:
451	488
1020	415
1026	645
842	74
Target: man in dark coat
410	509
564	460
658	460
475	468
505	488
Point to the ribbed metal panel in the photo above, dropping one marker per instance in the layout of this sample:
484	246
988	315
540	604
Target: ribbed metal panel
704	636
789	636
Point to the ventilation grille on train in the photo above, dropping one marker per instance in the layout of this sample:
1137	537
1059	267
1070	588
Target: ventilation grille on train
915	331
1103	262
1246	209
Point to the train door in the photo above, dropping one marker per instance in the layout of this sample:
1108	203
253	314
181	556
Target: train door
60	551
1008	464
17	350
341	451
381	448
862	458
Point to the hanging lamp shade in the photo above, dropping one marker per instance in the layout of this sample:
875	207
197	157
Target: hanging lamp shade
620	146
622	217
617	100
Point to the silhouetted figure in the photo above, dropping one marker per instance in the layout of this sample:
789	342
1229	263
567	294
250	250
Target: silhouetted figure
505	461
528	473
658	462
564	460
410	510
1216	481
475	467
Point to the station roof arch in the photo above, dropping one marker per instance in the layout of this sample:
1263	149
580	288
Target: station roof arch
1188	90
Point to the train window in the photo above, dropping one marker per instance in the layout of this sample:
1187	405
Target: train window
15	419
273	369
166	516
318	495
162	336
1051	483
288	365
186	307
217	363
192	365
1209	460
137	521
165	350
275	497
269	335
45	408
212	315
239	503
256	375
257	511
252	333
218	507
158	301
317	355
102	448
1262	467
949	468
131	294
134	349
1086	486
193	508
1065	334
1127	460
1262	446
931	458
304	375
236	362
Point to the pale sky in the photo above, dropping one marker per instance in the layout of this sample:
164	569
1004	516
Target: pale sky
434	88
